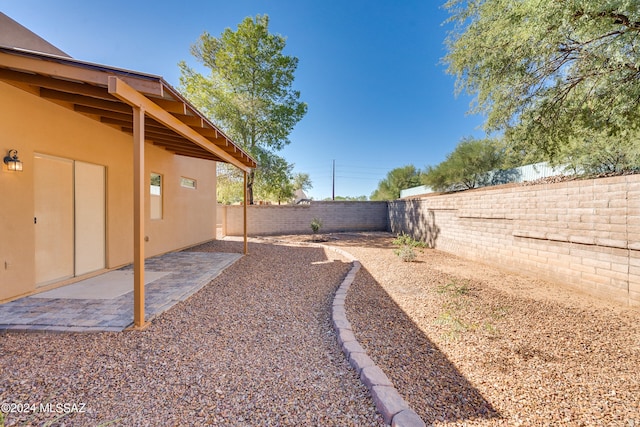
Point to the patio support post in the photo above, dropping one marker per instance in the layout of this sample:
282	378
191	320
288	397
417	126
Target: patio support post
246	249
138	217
143	106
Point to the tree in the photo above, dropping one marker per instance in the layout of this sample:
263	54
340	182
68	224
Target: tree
546	70
466	167
229	184
250	88
302	181
274	179
598	152
396	180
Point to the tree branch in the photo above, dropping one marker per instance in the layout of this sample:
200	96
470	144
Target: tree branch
618	18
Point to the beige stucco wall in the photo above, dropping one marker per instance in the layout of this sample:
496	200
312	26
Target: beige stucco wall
189	215
32	125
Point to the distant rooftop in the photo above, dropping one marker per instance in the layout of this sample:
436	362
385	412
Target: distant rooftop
15	35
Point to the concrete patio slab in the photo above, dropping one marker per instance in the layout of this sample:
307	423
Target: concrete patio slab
171	278
109	285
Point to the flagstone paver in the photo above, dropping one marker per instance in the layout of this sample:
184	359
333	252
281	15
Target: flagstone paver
189	272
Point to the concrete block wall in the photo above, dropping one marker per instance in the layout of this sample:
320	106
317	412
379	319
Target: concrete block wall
585	234
296	219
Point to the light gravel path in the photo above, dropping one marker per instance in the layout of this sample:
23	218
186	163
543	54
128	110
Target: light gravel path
255	347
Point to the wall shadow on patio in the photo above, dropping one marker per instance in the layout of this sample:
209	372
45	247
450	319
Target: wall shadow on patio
421	373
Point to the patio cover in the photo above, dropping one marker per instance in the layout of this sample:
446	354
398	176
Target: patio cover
142	105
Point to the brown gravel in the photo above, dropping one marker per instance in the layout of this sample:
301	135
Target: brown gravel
254	347
464	343
468	344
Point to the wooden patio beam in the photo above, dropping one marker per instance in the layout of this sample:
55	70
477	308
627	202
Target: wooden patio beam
115	115
172	106
126	93
152	130
56	84
138	217
180	149
80	71
193	121
244	208
87	101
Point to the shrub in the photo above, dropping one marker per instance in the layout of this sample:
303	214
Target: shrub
403	239
406	253
406	245
316	224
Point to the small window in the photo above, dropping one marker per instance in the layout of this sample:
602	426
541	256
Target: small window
155	191
187	182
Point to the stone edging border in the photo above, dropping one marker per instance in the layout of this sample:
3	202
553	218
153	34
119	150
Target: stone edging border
389	403
393	408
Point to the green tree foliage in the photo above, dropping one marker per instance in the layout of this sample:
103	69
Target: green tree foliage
302	181
396	180
250	88
274	179
599	153
466	167
229	184
547	71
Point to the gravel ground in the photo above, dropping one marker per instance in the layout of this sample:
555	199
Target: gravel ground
255	347
471	345
464	343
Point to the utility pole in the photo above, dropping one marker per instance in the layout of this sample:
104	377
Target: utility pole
333	181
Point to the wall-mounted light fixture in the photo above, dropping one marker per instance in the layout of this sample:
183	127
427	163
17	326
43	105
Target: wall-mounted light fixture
12	161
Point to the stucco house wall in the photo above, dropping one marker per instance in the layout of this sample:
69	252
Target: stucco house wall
32	125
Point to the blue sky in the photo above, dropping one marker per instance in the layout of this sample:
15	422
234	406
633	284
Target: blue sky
370	71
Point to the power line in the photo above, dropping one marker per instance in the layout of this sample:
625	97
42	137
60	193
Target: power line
357	177
367	167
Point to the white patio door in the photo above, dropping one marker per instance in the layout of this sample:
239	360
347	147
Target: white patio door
90	217
53	218
69	218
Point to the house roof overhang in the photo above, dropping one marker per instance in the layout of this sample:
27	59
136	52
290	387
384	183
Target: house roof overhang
108	94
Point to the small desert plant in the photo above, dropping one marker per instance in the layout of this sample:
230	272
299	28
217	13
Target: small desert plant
453	323
453	288
406	247
406	253
455	306
316	225
403	239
